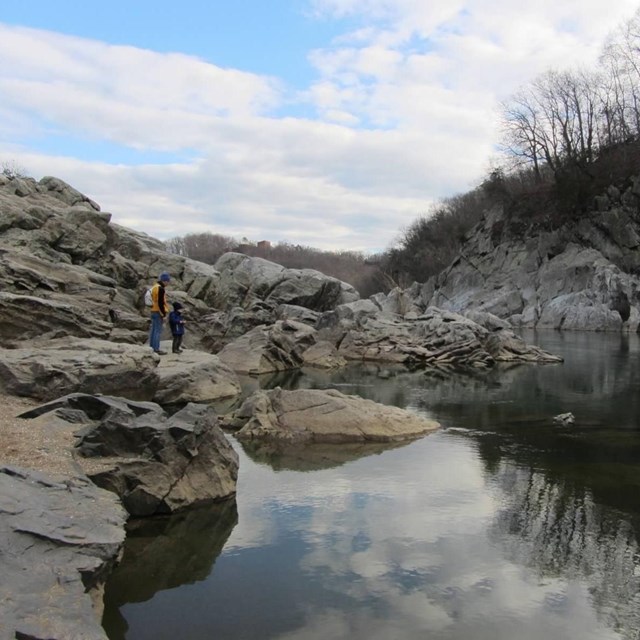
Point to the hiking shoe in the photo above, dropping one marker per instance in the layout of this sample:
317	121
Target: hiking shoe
160	352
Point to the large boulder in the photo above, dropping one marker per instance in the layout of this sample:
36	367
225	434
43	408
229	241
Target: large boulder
154	462
244	279
315	415
269	348
194	376
223	327
60	538
70	365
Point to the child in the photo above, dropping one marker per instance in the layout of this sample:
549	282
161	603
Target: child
176	323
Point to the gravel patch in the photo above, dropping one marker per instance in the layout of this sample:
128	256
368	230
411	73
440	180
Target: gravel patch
42	444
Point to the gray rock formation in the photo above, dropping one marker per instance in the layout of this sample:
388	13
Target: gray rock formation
223	327
313	415
269	348
63	366
364	331
244	279
582	276
64	265
194	376
59	541
154	462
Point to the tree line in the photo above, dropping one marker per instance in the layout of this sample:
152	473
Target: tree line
563	119
566	137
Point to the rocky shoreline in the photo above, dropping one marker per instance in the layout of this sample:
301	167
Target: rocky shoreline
96	428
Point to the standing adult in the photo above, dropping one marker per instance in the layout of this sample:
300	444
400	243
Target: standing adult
159	310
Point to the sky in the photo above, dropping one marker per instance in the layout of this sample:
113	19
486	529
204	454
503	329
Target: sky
326	123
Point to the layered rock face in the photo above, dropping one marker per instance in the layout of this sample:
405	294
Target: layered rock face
370	330
59	538
64	265
582	276
154	462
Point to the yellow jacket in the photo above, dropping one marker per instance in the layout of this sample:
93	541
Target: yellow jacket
159	299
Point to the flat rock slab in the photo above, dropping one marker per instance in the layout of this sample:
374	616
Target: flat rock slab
194	376
71	365
314	415
57	539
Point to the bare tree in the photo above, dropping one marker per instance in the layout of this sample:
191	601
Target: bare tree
553	121
621	60
204	247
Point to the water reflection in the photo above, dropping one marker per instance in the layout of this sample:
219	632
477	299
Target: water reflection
314	456
503	525
164	553
555	527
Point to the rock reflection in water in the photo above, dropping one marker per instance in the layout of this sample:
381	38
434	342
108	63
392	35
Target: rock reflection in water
502	525
312	457
164	553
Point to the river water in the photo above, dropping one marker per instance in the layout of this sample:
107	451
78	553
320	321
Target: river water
503	525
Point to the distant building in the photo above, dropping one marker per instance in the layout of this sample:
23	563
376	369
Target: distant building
264	244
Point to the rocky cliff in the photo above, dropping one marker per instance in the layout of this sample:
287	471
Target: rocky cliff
583	274
68	270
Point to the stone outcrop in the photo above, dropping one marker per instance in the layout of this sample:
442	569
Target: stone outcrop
223	327
194	376
581	276
65	265
154	462
287	344
365	331
46	370
244	279
60	538
314	415
64	366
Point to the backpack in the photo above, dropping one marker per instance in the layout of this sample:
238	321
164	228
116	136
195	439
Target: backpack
148	298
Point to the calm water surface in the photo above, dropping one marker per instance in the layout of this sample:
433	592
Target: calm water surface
500	526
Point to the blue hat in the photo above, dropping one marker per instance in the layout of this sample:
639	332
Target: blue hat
164	277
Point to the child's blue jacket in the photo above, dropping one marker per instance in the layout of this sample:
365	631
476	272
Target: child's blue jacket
177	328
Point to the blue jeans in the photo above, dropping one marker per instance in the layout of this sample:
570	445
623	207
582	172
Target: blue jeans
155	331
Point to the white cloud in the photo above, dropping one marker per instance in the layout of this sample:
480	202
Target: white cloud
406	106
435	554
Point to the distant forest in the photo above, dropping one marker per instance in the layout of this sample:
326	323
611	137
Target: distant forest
566	138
